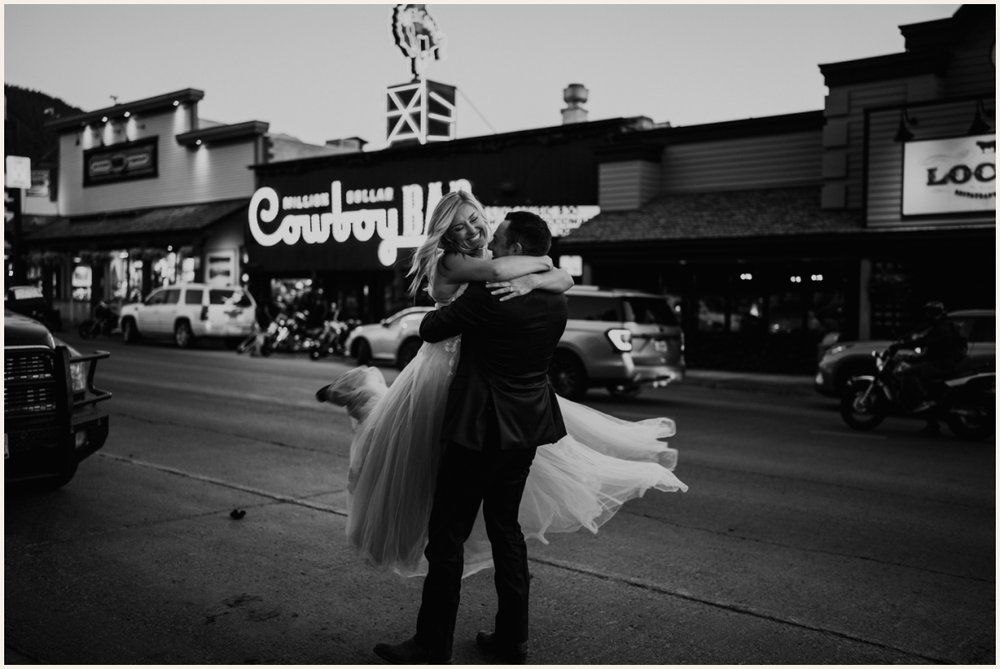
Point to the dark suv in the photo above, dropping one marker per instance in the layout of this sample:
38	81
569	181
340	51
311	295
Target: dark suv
617	339
52	413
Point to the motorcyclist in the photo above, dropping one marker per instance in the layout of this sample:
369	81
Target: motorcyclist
942	349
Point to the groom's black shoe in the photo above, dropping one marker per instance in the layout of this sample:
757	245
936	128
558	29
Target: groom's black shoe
509	653
409	652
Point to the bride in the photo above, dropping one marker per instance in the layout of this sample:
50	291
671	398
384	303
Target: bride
578	482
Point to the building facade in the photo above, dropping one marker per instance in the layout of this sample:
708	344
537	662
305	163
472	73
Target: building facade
149	193
349	224
775	235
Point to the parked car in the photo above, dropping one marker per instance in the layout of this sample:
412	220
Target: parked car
188	312
53	418
845	359
28	301
394	340
617	339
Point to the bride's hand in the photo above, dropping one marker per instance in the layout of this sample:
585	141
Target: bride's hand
508	290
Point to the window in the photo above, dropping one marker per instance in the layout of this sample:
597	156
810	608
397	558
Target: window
172	296
193	296
976	328
648	311
594	308
156	297
228	297
984	330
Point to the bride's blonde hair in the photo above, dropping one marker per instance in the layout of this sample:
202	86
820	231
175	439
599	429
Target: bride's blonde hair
439	240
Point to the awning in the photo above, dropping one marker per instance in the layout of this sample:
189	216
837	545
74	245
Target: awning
132	225
776	212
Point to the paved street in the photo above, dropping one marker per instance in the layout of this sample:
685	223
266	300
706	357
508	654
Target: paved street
799	541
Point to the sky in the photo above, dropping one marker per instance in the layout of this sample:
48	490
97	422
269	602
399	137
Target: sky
320	71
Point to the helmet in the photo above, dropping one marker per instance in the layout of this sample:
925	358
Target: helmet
933	311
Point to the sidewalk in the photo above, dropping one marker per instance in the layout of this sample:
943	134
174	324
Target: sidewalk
757	382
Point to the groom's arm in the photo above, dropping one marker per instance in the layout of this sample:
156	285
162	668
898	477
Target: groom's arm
470	311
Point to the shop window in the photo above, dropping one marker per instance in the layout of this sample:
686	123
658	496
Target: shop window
82	276
790	312
712	314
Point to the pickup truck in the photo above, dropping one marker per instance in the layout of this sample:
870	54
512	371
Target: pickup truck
53	416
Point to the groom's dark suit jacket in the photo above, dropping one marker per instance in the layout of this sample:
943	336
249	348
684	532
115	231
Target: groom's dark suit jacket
500	393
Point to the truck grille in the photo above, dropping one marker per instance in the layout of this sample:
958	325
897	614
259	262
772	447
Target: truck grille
30	384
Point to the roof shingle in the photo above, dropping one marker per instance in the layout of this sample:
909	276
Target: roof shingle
720	215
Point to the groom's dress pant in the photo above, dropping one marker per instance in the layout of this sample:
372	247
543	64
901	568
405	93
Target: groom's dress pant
466	479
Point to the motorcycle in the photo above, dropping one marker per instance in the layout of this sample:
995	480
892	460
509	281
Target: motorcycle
287	333
332	338
966	404
103	322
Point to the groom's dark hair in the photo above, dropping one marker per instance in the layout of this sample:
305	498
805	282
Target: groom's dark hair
531	231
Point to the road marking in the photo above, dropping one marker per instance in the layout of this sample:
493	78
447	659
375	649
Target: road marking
624	579
278	497
842	433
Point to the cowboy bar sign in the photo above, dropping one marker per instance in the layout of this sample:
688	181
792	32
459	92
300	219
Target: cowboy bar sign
320	218
376	225
947	176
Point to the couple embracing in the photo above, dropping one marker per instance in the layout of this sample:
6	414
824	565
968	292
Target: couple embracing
470	449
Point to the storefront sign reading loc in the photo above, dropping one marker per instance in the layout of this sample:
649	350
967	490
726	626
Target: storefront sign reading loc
944	176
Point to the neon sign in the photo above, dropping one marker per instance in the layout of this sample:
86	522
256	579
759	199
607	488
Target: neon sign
395	229
320	218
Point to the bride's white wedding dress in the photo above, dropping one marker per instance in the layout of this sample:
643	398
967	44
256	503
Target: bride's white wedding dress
578	482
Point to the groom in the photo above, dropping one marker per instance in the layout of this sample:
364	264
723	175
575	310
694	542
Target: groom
500	407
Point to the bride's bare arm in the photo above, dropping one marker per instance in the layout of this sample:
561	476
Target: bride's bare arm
554	281
456	268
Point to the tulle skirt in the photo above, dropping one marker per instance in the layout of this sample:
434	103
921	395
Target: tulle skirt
579	482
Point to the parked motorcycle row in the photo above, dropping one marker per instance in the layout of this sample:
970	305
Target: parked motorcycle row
289	333
966	404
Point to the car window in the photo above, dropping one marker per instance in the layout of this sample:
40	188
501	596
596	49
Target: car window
594	308
172	296
964	326
193	296
648	311
156	297
228	296
984	330
405	312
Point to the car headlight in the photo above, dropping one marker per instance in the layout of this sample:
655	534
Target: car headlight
78	375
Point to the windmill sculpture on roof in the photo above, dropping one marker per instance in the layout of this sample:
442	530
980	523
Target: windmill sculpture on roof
420	110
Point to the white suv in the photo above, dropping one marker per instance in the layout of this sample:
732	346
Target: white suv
190	311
